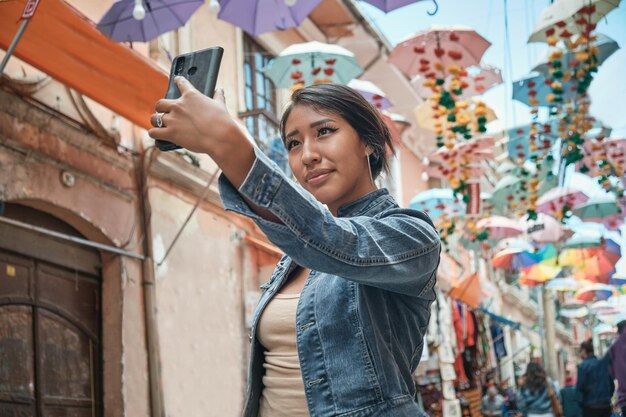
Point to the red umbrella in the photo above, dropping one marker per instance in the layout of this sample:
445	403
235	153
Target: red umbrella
500	227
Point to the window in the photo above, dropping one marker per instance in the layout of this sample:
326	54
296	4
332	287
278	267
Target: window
260	115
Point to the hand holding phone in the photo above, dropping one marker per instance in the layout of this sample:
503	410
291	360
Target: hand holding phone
201	69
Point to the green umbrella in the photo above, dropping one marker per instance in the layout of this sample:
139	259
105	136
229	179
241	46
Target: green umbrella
507	190
598	207
584	239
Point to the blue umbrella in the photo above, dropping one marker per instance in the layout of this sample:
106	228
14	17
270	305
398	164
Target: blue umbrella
537	82
437	201
606	47
518	145
143	20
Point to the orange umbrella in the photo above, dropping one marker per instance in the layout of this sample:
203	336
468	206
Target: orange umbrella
468	291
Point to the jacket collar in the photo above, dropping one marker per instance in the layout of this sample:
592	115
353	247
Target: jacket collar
370	203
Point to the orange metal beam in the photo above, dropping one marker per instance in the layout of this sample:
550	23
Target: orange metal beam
63	43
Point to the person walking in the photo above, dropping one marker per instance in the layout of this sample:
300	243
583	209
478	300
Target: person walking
617	353
537	396
594	382
340	325
492	403
570	399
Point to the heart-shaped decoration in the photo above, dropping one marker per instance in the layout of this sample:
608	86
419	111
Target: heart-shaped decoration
316	71
454	37
330	61
531	84
439	52
419	50
296	61
296	75
329	71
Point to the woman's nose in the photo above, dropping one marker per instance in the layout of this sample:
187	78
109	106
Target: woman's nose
310	153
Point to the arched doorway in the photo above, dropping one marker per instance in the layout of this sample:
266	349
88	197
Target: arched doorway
50	321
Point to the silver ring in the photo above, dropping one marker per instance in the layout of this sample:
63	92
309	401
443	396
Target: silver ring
159	120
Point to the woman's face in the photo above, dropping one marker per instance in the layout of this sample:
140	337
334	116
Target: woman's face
327	156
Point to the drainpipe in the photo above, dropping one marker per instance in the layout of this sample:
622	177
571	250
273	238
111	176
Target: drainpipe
148	288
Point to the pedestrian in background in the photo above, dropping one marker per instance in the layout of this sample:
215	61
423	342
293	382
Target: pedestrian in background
594	382
617	353
492	404
570	398
537	396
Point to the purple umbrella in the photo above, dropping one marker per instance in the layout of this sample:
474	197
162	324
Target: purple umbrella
260	16
152	18
389	5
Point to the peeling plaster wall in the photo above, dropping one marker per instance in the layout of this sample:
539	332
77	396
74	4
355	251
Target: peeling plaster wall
200	309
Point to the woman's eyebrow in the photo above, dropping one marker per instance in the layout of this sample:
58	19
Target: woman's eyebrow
314	124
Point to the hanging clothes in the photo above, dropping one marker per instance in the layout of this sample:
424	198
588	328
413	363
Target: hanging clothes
497	334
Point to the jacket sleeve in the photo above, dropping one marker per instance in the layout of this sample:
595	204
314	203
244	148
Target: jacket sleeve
397	251
522	400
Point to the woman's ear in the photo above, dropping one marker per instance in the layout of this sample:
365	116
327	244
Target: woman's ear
368	150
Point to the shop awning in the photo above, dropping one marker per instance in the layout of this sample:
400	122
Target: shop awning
63	43
501	319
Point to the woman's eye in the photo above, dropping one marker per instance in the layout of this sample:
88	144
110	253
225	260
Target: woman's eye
325	131
291	144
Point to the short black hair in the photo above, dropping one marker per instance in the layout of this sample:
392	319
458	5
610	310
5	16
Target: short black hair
587	346
352	107
621	326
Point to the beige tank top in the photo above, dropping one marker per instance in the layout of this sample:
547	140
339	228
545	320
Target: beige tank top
283	392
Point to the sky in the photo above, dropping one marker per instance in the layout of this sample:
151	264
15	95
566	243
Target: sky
512	54
507	24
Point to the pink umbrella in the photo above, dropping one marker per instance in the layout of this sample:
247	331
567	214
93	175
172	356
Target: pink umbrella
372	93
480	79
459	45
389	5
545	229
554	200
613	222
500	227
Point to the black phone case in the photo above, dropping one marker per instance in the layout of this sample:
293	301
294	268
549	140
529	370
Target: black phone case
201	69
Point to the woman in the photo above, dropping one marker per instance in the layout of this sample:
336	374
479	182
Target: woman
339	326
537	397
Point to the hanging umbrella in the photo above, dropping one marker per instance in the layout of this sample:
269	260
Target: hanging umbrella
371	93
500	227
514	243
390	5
564	284
558	198
479	79
570	16
260	16
603	307
518	143
574	311
152	18
598	207
584	239
538	273
507	190
594	292
606	47
437	201
513	259
446	44
537	86
545	229
426	115
314	62
613	222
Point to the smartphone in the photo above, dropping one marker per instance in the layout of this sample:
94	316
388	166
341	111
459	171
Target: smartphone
201	69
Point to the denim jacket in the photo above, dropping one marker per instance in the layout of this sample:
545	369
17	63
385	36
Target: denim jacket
364	308
594	382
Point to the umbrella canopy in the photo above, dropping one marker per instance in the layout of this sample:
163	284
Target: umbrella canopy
513	259
594	292
372	93
545	229
260	16
314	62
426	116
570	16
538	86
446	44
538	274
390	5
514	243
598	207
479	79
564	284
500	227
606	47
584	239
437	201
558	198
518	144
507	190
574	311
160	16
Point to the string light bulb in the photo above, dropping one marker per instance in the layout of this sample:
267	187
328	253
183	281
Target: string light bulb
138	11
214	6
290	3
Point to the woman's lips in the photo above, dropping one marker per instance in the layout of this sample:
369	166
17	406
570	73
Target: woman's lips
319	178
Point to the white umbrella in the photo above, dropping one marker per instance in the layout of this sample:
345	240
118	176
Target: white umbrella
572	16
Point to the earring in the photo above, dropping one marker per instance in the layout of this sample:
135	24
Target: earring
369	168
